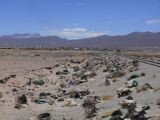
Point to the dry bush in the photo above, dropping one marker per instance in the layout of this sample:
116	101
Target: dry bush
144	87
90	111
90	106
107	114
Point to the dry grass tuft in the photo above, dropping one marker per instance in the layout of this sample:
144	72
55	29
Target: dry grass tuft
107	114
106	97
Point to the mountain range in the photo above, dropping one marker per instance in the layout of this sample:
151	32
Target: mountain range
132	40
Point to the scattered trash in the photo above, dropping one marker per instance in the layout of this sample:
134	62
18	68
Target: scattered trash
132	83
135	63
90	105
38	82
76	68
107	82
20	100
78	93
67	80
154	75
143	74
44	116
69	102
116	112
144	87
43	95
23	99
158	101
127	103
136	76
76	61
72	82
121	92
40	101
4	80
116	115
133	77
118	74
37	55
1	95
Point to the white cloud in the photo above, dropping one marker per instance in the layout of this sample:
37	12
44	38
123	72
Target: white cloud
154	21
75	33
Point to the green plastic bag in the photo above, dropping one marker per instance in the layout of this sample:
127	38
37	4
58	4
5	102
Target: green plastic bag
38	82
135	83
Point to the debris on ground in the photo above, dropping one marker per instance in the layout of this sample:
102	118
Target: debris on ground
38	82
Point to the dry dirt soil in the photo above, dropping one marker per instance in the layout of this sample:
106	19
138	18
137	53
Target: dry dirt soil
32	64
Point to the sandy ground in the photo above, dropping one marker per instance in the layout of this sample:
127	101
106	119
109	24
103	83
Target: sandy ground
26	64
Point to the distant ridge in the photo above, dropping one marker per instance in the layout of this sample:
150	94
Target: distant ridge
135	39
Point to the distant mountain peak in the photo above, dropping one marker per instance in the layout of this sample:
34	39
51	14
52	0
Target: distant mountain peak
23	35
135	39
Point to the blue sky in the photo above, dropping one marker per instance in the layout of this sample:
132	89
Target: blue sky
79	18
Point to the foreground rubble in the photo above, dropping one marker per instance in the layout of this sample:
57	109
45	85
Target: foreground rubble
98	85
